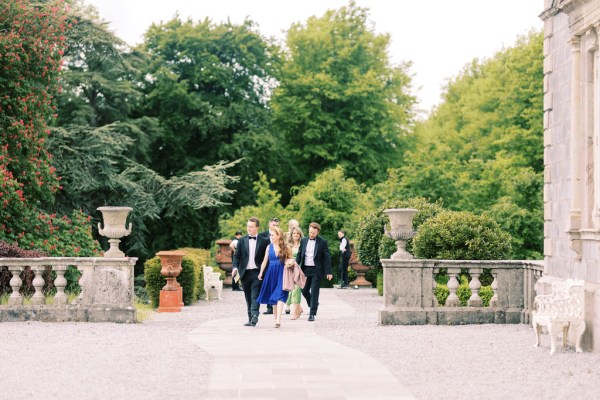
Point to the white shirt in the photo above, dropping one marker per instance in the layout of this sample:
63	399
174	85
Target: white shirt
309	254
251	253
343	244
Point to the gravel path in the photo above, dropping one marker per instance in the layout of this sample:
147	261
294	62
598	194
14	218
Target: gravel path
155	359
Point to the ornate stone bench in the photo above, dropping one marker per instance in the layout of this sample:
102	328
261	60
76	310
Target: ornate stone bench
561	309
212	279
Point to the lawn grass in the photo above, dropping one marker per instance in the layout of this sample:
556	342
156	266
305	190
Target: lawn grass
144	311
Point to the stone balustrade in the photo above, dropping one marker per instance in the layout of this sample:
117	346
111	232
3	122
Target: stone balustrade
409	292
107	290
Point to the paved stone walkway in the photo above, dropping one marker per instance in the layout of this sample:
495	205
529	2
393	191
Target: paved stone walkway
291	362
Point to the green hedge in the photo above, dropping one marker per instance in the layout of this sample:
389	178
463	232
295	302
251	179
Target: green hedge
461	235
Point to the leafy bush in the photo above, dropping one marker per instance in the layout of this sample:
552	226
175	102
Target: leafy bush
463	292
441	293
486	293
461	235
141	294
380	283
201	257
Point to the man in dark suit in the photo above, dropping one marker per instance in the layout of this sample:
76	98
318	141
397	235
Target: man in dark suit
248	256
315	261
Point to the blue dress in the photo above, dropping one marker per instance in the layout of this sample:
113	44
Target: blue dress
272	287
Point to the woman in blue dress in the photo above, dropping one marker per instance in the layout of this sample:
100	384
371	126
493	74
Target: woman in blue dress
272	291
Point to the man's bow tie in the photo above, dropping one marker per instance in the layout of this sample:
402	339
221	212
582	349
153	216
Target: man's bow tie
252	237
311	239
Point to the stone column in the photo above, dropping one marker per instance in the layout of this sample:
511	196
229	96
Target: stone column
575	147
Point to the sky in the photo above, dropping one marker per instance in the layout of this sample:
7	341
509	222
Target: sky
439	37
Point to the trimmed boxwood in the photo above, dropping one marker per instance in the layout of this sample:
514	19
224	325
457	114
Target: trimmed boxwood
461	235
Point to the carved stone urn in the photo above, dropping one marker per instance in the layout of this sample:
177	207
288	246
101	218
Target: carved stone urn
115	228
171	295
400	230
224	258
359	268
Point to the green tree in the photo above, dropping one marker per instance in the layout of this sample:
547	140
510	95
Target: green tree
331	199
98	80
340	101
209	86
482	149
97	170
267	206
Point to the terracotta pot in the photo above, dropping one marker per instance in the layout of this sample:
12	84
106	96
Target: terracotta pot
224	258
359	268
171	268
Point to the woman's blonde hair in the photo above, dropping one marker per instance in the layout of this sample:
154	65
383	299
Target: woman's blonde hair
289	238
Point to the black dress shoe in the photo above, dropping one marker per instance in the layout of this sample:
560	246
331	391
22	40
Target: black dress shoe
254	320
249	323
311	317
269	311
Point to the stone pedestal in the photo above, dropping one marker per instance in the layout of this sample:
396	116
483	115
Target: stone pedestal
169	301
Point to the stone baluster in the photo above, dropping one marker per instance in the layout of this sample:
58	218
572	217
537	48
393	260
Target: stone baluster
475	300
38	284
494	299
434	286
453	300
15	298
60	282
85	281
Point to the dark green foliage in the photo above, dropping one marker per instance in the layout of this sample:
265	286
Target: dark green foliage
453	235
97	170
208	86
141	294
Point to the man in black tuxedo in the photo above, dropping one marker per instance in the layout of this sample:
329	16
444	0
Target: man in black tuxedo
315	261
248	256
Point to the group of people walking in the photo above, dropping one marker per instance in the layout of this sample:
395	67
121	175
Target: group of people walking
278	268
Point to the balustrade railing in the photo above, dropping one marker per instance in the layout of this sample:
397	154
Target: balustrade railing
106	290
409	287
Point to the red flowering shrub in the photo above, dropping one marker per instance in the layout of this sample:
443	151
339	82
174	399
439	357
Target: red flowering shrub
32	43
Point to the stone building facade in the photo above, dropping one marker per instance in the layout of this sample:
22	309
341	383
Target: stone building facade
572	152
